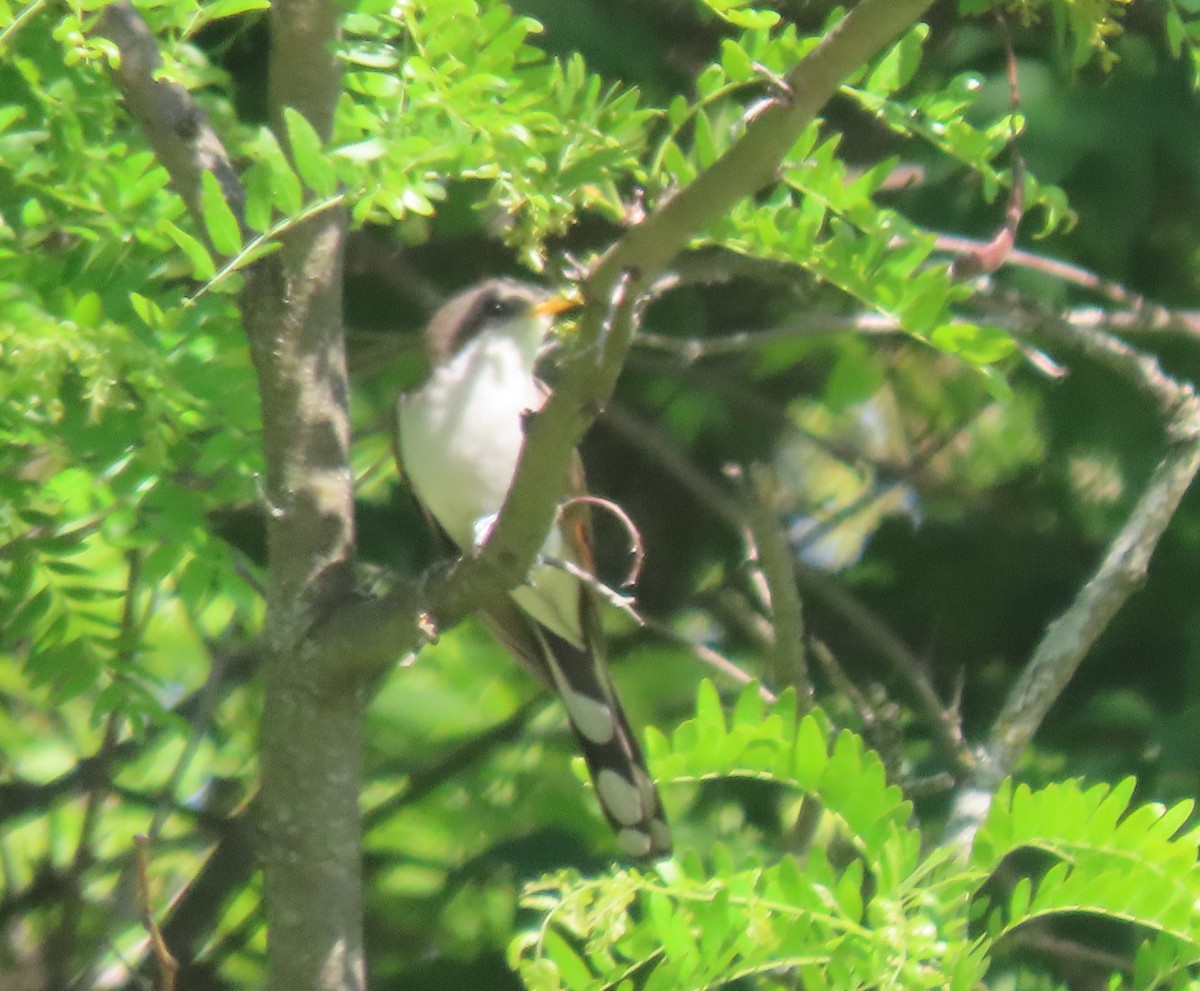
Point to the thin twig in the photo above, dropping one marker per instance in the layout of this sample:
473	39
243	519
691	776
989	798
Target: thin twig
637	547
1068	951
1138	314
734	606
947	732
719	266
842	682
24	16
168	966
775	561
451	765
990	256
879	717
946	729
1175	399
811	324
1150	318
195	909
715	496
61	943
250	250
199	717
610	595
127	644
714	659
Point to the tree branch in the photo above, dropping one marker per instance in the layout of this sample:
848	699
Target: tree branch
777	564
1150	314
750	164
311	733
615	286
175	126
380	631
1068	638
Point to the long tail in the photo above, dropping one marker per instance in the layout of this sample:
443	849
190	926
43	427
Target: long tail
623	784
628	797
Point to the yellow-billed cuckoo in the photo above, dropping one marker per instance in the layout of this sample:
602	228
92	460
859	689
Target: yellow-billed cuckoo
460	437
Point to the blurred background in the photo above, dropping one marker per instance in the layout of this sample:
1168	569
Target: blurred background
942	511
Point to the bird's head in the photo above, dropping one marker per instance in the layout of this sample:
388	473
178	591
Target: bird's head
503	308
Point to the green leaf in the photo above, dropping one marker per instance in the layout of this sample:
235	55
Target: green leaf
202	263
258	182
974	343
1175	31
736	61
810	756
256	251
217	9
88	311
540	975
286	192
754	20
193	586
369	150
309	157
148	311
900	63
33	214
997	385
1018	902
9	116
572	969
22	621
219	221
160	562
749	709
848	891
855	378
709	714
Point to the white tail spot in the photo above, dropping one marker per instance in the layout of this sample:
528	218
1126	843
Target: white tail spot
633	842
621	798
592	717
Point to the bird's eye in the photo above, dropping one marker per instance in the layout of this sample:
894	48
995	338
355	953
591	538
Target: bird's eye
501	307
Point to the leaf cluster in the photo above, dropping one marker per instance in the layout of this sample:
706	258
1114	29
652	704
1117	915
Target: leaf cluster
857	904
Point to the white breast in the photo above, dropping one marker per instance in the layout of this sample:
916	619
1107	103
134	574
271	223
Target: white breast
460	439
461	434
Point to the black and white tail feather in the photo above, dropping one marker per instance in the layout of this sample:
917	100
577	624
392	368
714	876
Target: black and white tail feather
578	676
627	795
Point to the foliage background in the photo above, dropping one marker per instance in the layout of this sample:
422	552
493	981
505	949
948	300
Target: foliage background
981	491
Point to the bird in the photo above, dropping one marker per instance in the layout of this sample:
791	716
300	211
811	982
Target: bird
459	435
